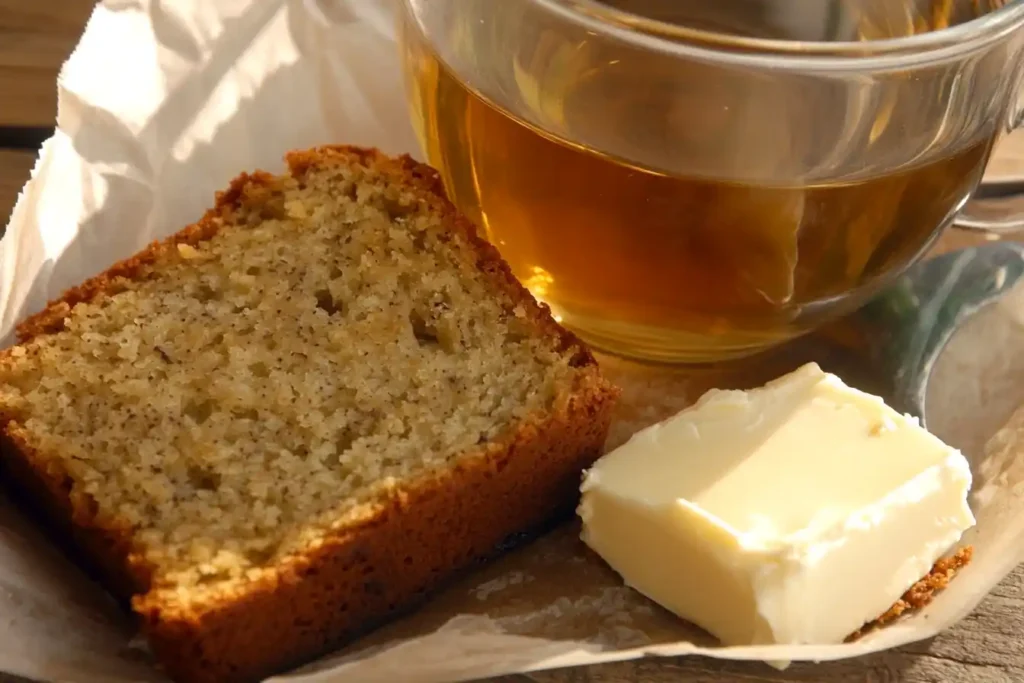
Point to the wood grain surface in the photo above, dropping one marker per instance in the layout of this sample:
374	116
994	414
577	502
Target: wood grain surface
986	647
36	36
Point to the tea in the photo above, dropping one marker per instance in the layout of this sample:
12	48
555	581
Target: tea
659	264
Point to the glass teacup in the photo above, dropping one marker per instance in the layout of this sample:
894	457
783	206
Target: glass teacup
694	189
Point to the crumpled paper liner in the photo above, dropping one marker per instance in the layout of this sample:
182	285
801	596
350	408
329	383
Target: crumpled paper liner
162	104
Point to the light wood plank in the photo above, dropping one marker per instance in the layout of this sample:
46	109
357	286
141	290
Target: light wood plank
36	36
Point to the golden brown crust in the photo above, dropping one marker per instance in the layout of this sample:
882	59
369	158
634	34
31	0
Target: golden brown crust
361	576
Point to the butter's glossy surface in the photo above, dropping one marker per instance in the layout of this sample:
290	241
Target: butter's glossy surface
793	513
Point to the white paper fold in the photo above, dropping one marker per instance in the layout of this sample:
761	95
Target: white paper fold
161	105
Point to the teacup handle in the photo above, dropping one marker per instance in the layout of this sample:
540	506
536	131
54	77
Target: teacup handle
996	219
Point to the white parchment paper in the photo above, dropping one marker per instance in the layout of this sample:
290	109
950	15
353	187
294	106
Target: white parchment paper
163	103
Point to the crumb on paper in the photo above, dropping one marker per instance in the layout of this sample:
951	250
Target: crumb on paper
921	593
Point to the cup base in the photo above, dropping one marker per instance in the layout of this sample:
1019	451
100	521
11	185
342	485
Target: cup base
668	346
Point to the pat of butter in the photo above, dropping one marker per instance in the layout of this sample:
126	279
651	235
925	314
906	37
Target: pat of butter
793	513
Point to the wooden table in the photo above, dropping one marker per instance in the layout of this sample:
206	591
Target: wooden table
986	647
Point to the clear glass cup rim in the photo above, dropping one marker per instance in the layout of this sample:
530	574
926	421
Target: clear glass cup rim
943	45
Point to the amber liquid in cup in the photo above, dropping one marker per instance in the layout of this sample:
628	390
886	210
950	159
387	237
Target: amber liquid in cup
671	267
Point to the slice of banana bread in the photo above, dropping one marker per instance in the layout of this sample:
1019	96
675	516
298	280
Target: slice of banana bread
299	415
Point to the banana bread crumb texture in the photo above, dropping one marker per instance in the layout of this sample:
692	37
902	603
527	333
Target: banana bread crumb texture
283	370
